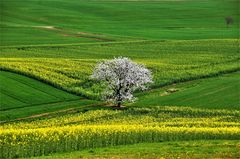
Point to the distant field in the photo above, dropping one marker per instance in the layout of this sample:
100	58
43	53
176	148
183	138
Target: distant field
61	22
167	150
219	93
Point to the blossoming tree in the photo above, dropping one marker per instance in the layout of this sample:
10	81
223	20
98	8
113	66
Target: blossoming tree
122	77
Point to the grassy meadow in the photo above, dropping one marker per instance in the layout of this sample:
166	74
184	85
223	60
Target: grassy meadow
97	21
186	149
212	93
20	91
51	108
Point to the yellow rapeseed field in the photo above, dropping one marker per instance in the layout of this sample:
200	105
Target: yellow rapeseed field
101	128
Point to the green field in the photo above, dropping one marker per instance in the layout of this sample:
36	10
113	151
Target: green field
50	107
19	91
170	61
94	21
196	94
219	93
22	97
184	149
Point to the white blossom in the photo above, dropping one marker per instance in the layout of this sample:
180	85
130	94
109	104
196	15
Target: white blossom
122	77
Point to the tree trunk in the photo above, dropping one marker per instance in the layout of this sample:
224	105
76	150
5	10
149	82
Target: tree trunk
119	104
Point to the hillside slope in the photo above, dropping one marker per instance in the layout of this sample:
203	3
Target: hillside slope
21	97
77	21
215	93
19	91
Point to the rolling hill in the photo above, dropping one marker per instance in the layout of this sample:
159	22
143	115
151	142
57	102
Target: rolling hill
49	103
219	93
22	96
79	21
19	91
